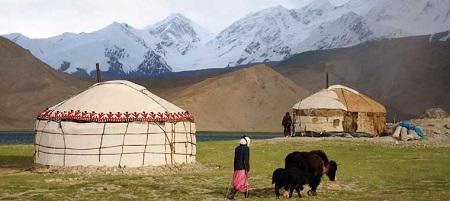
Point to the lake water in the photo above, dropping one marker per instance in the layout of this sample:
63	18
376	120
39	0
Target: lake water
23	137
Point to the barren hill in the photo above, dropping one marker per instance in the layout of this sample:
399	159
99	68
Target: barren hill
407	75
250	99
28	86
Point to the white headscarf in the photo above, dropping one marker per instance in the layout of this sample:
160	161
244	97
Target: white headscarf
245	141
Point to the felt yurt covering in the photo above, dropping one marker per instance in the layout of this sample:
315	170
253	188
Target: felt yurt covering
339	109
114	123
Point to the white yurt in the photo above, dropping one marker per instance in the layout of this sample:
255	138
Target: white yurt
339	109
114	123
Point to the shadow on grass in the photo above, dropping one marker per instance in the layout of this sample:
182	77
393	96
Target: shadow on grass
262	193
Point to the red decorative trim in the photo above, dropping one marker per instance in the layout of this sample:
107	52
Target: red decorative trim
113	117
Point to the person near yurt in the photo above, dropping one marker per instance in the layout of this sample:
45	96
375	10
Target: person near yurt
114	123
340	109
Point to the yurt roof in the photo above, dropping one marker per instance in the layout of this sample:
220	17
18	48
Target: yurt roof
116	97
340	97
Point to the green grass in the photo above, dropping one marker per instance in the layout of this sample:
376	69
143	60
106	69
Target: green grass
367	171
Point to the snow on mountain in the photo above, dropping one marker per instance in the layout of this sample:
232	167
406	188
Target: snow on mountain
115	46
349	30
177	30
260	36
175	37
273	34
119	48
418	17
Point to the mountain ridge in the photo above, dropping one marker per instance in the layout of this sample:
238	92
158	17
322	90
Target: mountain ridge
273	34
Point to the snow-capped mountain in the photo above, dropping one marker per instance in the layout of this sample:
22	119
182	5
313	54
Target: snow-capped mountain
119	48
418	17
257	37
273	34
179	34
176	37
349	30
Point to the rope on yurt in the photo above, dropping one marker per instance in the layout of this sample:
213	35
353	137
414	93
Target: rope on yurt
64	141
53	140
42	133
174	141
191	140
35	134
36	126
101	142
185	144
345	100
123	142
193	135
170	144
146	142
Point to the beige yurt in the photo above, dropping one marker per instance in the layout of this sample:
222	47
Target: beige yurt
339	109
114	123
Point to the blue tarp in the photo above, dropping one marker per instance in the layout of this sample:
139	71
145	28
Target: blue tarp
411	127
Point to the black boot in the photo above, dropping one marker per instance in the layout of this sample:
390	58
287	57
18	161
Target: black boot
246	194
232	193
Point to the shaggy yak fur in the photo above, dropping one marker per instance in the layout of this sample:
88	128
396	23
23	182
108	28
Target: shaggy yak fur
315	164
290	179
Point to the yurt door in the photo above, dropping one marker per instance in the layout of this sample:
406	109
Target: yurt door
351	122
354	122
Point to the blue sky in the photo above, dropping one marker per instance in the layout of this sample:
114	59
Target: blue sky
46	18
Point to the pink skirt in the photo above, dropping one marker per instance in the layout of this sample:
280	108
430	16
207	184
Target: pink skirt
240	180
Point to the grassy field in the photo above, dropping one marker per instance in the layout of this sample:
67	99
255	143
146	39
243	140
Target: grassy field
367	171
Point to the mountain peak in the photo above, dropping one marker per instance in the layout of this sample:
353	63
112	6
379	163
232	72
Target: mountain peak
320	4
177	29
268	11
117	26
178	16
275	9
14	37
172	19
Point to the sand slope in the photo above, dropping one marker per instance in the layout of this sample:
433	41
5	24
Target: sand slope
250	99
28	86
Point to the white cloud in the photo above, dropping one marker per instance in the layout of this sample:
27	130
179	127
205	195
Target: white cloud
46	18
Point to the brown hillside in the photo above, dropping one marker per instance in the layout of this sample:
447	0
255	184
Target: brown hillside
165	86
407	75
251	99
28	86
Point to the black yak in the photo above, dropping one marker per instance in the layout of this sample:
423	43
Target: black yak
315	164
290	179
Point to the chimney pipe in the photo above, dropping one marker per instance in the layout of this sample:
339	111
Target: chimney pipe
99	76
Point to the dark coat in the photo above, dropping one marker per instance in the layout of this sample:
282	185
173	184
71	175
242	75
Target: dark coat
287	120
242	158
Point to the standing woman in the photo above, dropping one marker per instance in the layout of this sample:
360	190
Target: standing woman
241	168
287	122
